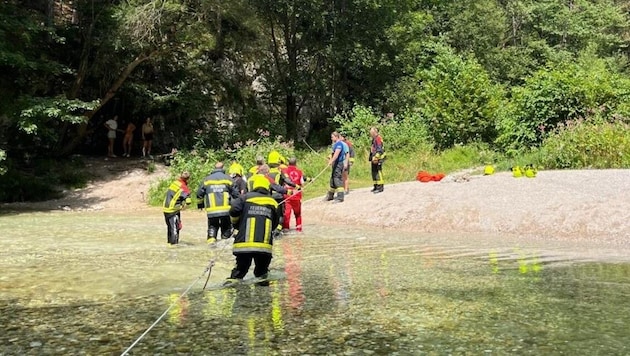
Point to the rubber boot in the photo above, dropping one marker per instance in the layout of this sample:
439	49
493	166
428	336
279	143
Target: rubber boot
373	189
379	188
212	235
339	198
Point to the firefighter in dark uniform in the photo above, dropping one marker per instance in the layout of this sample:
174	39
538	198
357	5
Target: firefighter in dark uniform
377	156
216	190
275	162
177	195
255	217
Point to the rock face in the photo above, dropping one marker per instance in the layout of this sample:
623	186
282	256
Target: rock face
580	204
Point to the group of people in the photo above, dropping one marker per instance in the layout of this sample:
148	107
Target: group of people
342	158
147	137
254	207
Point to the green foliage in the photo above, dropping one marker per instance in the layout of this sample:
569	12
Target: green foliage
593	143
404	132
201	161
565	92
41	179
41	114
458	101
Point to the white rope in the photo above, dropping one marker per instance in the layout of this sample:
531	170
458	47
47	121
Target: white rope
126	352
307	184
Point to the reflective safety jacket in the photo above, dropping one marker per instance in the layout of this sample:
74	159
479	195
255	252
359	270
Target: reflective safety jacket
216	190
274	187
176	194
279	179
255	216
377	151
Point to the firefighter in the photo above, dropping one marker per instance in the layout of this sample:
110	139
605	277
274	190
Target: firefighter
293	198
215	192
236	171
274	160
338	162
260	160
254	217
177	195
377	156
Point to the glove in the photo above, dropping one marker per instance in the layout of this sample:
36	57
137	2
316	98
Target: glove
298	188
188	201
289	191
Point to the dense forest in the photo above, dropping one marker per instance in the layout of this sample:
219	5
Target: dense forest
505	73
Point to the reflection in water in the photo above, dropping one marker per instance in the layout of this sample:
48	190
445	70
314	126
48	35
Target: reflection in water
354	294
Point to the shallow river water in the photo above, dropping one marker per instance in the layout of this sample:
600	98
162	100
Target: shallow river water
90	283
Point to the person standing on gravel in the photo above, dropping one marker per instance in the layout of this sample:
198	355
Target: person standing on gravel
346	171
112	127
128	139
177	195
147	138
338	162
377	155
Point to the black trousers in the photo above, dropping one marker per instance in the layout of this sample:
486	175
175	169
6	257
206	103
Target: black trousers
173	225
219	222
377	172
244	261
336	178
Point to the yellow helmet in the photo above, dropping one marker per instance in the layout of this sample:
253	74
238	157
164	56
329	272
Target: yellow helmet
274	157
236	169
260	181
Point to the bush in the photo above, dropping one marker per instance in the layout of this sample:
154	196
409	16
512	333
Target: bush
553	96
404	132
458	101
591	143
200	162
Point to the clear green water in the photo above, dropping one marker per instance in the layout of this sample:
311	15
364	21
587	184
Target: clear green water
91	283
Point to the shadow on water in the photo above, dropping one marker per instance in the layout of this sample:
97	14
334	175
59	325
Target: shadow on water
92	283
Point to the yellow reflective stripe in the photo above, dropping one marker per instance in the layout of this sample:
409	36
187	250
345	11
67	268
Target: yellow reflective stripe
263	201
251	229
217	182
213	201
234	219
267	231
258	245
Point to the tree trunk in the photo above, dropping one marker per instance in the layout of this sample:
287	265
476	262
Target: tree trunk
291	117
82	129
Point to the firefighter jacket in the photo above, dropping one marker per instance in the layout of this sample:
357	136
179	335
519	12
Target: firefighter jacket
255	216
377	151
216	190
277	190
281	179
176	195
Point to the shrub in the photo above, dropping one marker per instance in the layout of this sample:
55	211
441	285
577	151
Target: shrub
555	95
593	143
200	162
404	132
458	101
